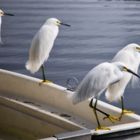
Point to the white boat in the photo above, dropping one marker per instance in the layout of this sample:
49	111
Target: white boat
29	110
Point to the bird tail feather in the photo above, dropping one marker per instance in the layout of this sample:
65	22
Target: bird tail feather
76	99
32	66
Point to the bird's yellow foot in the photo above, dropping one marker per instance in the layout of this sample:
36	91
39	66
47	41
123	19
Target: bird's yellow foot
102	128
124	111
113	119
45	81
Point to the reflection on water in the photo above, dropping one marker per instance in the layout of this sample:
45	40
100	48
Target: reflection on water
99	29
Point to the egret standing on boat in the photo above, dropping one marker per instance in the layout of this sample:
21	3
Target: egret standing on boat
42	44
130	56
96	82
3	14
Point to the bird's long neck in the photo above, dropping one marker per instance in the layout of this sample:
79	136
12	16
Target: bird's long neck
55	30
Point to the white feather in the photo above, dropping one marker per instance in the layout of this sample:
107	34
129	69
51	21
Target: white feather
96	81
41	46
131	58
116	90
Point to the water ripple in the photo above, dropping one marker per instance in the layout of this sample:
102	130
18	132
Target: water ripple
99	29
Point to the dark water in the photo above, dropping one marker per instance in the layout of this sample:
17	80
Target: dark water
99	29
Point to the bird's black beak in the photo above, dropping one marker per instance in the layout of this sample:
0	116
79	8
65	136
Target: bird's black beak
8	14
65	24
130	71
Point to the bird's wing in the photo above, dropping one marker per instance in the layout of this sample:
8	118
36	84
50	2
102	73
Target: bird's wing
41	46
115	91
95	82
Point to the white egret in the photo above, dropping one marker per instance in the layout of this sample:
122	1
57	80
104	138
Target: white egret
3	14
130	56
97	81
42	44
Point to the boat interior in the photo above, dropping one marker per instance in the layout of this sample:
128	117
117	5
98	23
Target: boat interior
34	110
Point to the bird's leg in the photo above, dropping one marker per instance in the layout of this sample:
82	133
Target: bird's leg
108	116
43	76
94	110
124	111
112	118
43	73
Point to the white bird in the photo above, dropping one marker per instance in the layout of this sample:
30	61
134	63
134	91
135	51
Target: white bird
130	56
3	14
42	44
97	81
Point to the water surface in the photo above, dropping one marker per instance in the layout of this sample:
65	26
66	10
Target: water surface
99	29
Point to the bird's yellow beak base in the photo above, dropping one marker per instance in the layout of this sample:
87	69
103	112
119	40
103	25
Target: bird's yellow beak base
125	69
138	49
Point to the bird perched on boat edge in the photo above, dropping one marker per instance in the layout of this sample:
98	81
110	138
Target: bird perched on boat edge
42	44
96	82
130	56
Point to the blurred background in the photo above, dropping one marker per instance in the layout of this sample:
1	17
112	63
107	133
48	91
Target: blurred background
99	29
